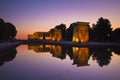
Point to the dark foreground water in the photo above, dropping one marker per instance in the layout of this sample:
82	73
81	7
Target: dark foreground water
50	62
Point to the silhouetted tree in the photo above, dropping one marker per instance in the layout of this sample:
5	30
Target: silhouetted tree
91	35
1	29
70	31
115	35
69	51
7	31
12	31
102	30
62	27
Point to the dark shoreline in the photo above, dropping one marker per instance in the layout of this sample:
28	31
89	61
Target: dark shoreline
73	44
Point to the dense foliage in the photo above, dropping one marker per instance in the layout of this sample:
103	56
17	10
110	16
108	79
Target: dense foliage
7	31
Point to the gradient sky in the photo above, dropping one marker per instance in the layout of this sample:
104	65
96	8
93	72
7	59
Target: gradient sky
30	16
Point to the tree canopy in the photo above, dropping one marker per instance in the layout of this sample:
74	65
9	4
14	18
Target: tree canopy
70	31
102	30
7	31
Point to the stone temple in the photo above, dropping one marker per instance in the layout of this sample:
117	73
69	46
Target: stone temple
80	33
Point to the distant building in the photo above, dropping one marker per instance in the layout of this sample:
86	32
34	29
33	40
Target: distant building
80	32
40	36
54	35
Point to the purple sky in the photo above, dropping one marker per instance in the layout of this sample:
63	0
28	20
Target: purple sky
30	16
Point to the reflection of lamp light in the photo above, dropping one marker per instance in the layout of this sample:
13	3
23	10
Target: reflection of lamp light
53	47
75	48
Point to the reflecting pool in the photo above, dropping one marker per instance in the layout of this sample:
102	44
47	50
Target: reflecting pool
54	62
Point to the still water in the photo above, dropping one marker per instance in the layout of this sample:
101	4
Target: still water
53	62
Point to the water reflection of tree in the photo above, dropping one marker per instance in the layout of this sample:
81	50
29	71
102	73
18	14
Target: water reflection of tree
102	55
116	50
7	55
69	52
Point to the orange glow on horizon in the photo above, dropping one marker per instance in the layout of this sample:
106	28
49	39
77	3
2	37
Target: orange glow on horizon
21	36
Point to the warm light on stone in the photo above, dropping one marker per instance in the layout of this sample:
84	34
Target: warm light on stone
54	35
80	32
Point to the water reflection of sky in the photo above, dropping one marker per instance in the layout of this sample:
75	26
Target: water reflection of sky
29	65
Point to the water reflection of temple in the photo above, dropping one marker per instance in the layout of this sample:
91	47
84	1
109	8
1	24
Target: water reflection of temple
40	48
79	55
55	50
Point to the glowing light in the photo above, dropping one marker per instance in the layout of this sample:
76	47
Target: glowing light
76	40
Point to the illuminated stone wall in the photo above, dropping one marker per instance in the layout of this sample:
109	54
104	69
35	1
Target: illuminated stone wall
31	36
56	35
40	36
48	36
80	32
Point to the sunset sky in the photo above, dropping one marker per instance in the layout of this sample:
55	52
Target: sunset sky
30	16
